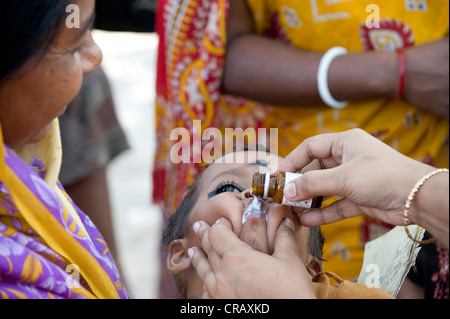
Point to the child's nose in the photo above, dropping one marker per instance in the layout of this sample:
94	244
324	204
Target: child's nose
246	193
248	197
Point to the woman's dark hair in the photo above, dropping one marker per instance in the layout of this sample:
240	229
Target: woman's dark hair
27	27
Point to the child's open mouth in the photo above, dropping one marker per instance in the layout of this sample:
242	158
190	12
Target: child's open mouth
254	209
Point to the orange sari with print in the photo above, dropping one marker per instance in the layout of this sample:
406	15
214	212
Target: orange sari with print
190	66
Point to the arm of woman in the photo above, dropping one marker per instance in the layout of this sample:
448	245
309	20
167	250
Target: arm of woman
272	72
372	178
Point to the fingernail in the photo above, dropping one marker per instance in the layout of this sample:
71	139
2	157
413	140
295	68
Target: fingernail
219	220
190	252
196	227
290	191
289	223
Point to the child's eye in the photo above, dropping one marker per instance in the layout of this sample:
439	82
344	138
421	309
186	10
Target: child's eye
228	187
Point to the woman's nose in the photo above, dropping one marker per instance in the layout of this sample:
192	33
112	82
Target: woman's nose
92	57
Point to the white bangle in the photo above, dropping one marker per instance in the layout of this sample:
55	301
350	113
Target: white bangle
322	77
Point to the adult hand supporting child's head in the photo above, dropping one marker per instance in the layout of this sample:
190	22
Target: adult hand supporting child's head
230	268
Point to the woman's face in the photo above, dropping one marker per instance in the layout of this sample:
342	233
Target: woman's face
225	192
40	91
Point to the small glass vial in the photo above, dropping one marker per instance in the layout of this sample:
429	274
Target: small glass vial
265	186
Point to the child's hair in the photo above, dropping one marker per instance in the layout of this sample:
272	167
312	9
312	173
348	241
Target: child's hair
178	222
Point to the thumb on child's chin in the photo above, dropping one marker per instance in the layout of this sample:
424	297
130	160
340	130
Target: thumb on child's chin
254	233
286	244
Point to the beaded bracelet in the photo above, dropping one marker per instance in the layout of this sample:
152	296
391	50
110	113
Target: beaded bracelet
411	197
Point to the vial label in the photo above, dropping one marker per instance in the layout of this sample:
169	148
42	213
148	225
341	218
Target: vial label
304	203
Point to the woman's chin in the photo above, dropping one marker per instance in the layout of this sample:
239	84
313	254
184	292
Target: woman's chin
41	134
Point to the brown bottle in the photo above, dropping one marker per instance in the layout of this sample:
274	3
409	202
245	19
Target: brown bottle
265	186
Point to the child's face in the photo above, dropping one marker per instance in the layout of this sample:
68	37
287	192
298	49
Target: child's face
224	191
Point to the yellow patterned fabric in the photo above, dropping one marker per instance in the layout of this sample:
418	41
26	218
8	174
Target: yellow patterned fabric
48	247
190	68
318	25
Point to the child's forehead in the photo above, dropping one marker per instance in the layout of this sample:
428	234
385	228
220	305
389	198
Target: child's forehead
246	157
237	162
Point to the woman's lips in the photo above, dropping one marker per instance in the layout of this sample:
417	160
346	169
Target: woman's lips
255	210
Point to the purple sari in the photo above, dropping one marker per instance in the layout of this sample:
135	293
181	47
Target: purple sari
48	247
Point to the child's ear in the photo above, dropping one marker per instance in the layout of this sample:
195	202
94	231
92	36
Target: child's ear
177	258
315	266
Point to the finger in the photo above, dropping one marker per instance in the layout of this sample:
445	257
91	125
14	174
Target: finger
205	294
299	210
330	162
316	147
320	164
254	233
201	229
225	223
222	238
314	165
286	245
201	265
335	212
327	182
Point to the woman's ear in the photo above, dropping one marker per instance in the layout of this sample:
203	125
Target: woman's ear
177	258
315	266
